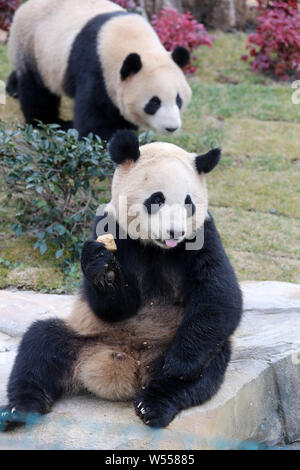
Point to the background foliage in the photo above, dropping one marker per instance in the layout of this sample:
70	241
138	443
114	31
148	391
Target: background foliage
275	46
7	10
48	175
53	178
180	29
254	192
129	5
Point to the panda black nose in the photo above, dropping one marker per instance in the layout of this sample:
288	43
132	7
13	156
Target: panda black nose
171	129
175	234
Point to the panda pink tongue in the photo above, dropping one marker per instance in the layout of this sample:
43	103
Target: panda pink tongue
171	243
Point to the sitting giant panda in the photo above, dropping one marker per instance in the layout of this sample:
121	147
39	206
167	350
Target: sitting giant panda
154	318
110	61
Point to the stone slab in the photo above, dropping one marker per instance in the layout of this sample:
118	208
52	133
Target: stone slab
258	402
19	309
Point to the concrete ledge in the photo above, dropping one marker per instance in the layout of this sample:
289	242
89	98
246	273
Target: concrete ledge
258	402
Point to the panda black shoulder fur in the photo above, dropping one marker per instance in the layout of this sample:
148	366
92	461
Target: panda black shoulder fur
154	318
110	61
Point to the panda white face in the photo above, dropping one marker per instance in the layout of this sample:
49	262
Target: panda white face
164	116
154	99
172	201
161	198
143	80
168	224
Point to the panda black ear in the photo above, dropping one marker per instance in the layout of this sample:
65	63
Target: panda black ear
206	163
181	56
132	64
123	146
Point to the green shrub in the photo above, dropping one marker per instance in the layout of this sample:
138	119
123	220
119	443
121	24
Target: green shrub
51	178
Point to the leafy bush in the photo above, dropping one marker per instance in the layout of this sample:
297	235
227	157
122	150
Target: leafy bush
51	178
48	175
275	46
7	10
180	29
129	5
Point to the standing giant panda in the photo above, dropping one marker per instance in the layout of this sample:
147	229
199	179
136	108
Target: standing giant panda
154	318
110	61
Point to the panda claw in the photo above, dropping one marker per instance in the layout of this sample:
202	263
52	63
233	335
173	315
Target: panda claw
140	404
143	411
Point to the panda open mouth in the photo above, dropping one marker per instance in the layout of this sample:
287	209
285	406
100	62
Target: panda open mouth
171	243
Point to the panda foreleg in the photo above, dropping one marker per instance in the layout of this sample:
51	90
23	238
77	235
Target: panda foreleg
37	102
42	372
88	119
164	397
12	85
111	293
94	111
87	112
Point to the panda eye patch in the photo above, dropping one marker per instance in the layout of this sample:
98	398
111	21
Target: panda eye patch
153	105
189	206
154	202
179	101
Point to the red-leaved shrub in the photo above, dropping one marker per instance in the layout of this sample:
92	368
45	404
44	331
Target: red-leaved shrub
129	5
180	29
275	47
7	10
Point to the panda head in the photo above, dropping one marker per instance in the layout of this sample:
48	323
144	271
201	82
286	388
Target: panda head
153	93
159	190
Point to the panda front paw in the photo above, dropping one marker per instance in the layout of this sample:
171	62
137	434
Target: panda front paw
153	410
11	418
99	264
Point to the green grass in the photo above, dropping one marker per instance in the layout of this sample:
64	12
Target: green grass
254	193
267	103
261	246
4	65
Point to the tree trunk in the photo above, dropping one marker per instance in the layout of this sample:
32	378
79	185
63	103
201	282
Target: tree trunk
154	6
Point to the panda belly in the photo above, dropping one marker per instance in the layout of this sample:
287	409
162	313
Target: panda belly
120	358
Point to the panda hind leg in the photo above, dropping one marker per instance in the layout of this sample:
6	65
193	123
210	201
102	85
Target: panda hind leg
37	102
42	372
108	372
165	397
